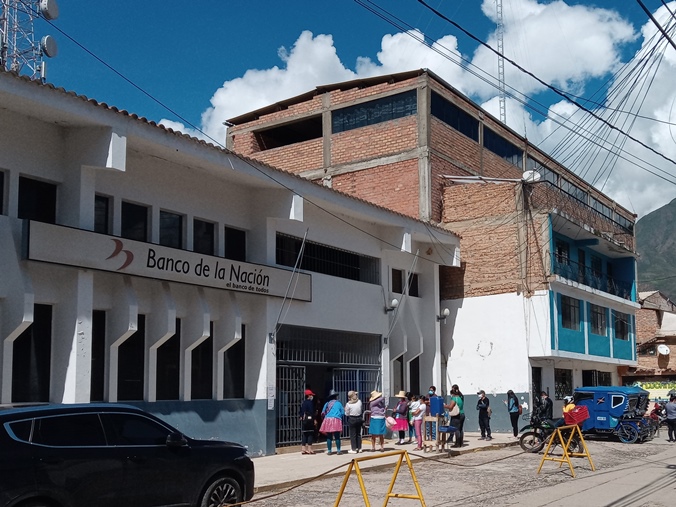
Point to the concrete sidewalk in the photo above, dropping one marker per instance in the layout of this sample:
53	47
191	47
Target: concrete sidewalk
288	469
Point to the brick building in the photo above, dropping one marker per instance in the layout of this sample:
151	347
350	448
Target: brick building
545	297
655	342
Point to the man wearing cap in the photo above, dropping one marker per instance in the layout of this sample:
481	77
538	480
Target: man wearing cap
484	419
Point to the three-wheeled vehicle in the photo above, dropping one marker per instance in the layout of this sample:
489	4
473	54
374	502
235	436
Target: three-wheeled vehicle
619	411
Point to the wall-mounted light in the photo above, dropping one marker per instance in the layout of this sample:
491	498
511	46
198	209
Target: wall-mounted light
444	313
393	304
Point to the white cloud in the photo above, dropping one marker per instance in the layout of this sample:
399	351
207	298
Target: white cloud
565	45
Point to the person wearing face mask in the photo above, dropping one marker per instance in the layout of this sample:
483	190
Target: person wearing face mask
484	419
308	422
435	405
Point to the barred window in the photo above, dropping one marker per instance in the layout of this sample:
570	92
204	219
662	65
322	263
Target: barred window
563	383
327	260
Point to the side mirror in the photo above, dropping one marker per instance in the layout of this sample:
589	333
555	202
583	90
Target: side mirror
176	440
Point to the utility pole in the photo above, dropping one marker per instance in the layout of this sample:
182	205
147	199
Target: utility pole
500	33
19	52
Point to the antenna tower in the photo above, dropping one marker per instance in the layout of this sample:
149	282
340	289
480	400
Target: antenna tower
501	61
19	52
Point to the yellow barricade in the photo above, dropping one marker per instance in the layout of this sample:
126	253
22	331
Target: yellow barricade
558	438
354	465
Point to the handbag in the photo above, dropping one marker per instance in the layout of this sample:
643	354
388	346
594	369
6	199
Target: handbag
390	422
520	410
454	411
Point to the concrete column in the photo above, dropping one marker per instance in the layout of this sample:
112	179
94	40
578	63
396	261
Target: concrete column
227	332
122	323
424	164
196	329
160	326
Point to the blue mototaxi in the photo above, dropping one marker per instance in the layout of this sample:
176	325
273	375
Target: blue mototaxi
619	411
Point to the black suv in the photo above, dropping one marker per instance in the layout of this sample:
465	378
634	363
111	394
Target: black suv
111	455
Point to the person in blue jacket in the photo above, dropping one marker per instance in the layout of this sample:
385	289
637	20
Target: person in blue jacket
332	425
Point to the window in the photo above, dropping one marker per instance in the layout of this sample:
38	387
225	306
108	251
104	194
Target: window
502	147
98	355
581	266
596	266
413	285
650	350
203	239
171	229
79	430
37	200
562	252
327	260
32	357
102	214
374	111
570	313
622	325
536	374
133	430
563	383
290	133
168	366
131	359
455	117
235	244
398	281
598	320
134	221
233	369
596	378
202	369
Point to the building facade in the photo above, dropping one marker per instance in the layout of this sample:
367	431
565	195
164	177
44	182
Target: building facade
147	267
545	297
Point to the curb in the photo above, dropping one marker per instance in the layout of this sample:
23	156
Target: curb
413	457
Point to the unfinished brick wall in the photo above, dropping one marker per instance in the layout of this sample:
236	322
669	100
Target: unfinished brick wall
294	158
393	186
387	138
647	324
502	248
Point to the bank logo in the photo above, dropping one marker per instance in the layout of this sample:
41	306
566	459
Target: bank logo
119	249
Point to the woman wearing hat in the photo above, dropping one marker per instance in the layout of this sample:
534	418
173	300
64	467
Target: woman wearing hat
332	425
377	426
308	422
401	416
355	420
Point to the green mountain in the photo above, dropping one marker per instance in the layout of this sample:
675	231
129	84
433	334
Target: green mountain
656	245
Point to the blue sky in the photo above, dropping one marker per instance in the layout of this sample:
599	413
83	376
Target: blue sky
210	60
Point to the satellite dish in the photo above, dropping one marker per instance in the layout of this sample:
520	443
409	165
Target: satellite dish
49	9
531	176
663	349
48	46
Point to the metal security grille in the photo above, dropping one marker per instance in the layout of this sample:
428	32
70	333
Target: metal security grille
309	345
290	388
361	380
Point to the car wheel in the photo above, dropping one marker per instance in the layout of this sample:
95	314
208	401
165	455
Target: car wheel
531	442
627	434
222	491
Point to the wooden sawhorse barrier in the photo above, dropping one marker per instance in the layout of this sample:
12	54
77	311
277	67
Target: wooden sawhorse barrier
558	438
354	464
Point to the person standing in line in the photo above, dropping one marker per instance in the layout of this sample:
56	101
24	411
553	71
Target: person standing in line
355	420
671	418
308	422
418	409
332	425
483	405
411	426
457	421
377	427
512	403
401	416
546	406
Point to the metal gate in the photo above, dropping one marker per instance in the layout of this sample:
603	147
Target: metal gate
350	379
290	396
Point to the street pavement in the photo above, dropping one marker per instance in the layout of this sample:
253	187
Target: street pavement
290	468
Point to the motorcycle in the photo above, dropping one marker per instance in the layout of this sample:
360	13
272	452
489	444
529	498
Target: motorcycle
538	433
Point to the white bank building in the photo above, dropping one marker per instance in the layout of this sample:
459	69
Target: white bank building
143	266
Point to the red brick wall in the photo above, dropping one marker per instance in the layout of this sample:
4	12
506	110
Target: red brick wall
393	186
374	141
646	325
294	158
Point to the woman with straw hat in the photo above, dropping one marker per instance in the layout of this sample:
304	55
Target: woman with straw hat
401	417
377	426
